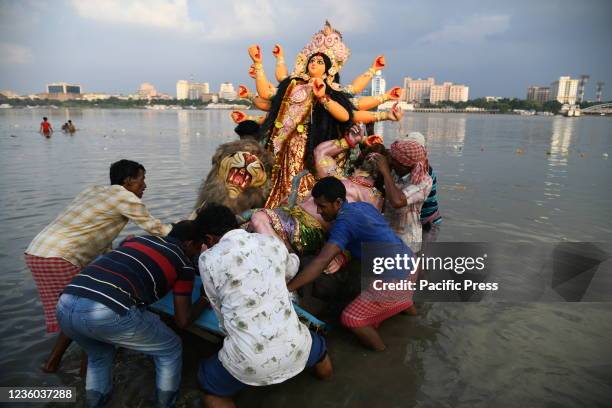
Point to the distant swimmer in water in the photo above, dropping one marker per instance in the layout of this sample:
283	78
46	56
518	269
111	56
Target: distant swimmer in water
45	127
71	127
65	127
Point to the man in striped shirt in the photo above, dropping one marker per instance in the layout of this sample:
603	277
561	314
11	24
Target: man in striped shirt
104	307
86	229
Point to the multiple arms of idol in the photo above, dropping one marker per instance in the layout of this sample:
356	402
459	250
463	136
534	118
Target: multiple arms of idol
266	91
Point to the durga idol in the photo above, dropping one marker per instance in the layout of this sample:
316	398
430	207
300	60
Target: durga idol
308	107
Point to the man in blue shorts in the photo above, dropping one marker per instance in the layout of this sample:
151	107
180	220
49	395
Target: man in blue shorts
244	276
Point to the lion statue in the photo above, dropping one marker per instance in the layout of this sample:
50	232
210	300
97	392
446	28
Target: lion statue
239	177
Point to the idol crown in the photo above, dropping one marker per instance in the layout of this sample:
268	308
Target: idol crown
327	41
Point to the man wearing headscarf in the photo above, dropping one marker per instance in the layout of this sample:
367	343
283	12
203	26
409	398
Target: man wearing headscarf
430	213
407	190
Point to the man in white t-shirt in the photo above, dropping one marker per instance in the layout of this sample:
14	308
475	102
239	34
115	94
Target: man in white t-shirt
244	276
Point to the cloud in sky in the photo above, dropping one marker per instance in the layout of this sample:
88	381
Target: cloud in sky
164	14
14	54
236	19
474	29
239	19
497	48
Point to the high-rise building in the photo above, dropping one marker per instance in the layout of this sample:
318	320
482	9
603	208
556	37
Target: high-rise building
417	90
378	84
425	90
197	90
63	88
226	91
564	90
458	93
538	93
448	92
191	90
182	89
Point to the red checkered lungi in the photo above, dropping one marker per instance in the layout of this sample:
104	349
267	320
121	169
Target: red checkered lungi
372	308
51	276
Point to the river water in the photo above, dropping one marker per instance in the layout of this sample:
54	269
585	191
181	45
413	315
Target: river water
501	178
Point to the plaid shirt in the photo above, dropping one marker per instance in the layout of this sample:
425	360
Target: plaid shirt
91	222
406	221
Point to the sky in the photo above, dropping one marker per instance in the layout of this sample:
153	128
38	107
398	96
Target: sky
497	48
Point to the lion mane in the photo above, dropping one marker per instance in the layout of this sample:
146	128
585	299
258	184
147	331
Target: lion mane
213	187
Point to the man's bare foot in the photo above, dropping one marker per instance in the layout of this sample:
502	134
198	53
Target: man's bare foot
324	369
411	311
369	337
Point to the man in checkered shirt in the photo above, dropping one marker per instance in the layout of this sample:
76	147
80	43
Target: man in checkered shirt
85	230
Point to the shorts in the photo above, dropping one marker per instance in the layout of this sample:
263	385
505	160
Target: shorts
216	380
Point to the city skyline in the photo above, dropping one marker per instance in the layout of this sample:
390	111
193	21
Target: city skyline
108	46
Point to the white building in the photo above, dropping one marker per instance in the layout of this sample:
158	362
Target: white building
182	89
564	90
198	90
191	90
448	92
417	90
378	84
226	91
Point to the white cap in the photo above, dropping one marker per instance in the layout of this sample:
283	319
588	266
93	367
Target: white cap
417	137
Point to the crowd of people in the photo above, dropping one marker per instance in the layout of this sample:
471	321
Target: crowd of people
98	297
324	207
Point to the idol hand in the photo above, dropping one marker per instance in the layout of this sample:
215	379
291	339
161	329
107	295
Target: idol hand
394	93
243	91
277	51
379	63
396	113
318	87
238	116
255	53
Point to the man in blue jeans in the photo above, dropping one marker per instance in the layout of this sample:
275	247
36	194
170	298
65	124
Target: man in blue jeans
104	307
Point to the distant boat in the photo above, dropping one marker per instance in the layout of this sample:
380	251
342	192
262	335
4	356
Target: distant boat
570	111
